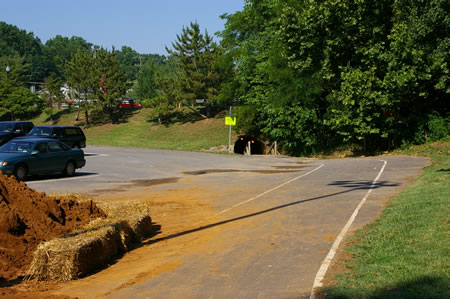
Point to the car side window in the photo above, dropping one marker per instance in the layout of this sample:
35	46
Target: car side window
54	147
71	131
58	132
18	127
65	147
28	127
42	148
23	147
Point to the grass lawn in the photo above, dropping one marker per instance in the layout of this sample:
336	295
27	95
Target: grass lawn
137	131
406	252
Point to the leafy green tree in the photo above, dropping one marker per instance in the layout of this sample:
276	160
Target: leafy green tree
373	73
21	104
146	86
18	74
417	72
59	50
16	42
264	81
130	61
16	99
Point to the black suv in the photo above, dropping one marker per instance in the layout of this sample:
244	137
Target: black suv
13	129
72	136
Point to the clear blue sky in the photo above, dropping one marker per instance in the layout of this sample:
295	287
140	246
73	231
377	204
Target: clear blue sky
147	26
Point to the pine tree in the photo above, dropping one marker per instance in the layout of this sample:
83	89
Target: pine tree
196	55
81	78
111	82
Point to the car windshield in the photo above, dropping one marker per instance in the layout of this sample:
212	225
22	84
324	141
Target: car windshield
6	128
40	131
16	147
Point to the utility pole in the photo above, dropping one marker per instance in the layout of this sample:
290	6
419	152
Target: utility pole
229	136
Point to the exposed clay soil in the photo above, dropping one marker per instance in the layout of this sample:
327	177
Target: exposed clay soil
28	217
173	211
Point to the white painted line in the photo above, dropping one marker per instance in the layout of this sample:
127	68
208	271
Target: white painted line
64	179
327	261
268	191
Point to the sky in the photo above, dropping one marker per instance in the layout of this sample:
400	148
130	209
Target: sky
147	26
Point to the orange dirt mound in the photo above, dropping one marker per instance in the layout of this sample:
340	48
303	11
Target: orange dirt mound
28	217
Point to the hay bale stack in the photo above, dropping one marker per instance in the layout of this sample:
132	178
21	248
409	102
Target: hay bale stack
101	242
135	213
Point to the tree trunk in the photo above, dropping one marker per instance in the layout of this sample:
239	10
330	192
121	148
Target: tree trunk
204	116
86	116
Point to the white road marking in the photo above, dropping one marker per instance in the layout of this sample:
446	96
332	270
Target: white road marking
64	179
327	261
268	191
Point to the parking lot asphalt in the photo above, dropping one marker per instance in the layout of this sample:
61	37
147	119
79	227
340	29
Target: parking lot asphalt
274	219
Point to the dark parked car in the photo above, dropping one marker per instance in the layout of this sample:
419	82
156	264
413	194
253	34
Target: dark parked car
28	156
13	129
72	136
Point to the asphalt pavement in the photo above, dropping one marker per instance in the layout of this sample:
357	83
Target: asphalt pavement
281	214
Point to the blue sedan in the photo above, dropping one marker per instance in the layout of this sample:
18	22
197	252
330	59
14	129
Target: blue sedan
22	157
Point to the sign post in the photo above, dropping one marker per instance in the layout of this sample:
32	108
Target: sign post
230	121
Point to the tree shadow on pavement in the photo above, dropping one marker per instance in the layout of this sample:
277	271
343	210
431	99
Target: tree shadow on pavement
353	185
362	184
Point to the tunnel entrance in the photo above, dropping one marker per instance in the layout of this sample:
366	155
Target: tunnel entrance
244	141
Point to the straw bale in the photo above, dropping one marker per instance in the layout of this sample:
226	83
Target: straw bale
135	213
101	242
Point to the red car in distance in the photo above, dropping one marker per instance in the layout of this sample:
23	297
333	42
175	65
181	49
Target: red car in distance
129	103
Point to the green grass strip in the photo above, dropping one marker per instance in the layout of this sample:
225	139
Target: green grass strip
139	131
406	252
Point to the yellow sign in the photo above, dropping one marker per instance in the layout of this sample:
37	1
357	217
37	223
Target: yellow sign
230	121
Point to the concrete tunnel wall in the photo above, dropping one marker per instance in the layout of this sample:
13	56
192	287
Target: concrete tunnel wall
256	146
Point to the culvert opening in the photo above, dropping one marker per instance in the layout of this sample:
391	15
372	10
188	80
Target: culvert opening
244	142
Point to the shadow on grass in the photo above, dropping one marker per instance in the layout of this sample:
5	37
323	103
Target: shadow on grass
424	287
57	115
177	117
119	116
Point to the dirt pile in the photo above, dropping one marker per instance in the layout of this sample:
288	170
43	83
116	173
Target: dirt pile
28	218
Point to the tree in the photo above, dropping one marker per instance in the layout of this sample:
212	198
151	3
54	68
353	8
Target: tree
417	68
59	50
81	77
16	42
146	86
130	61
111	82
53	93
21	103
195	56
364	72
277	95
16	100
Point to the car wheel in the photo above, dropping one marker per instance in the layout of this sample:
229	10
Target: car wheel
70	169
20	172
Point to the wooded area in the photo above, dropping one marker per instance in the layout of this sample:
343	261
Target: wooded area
312	75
